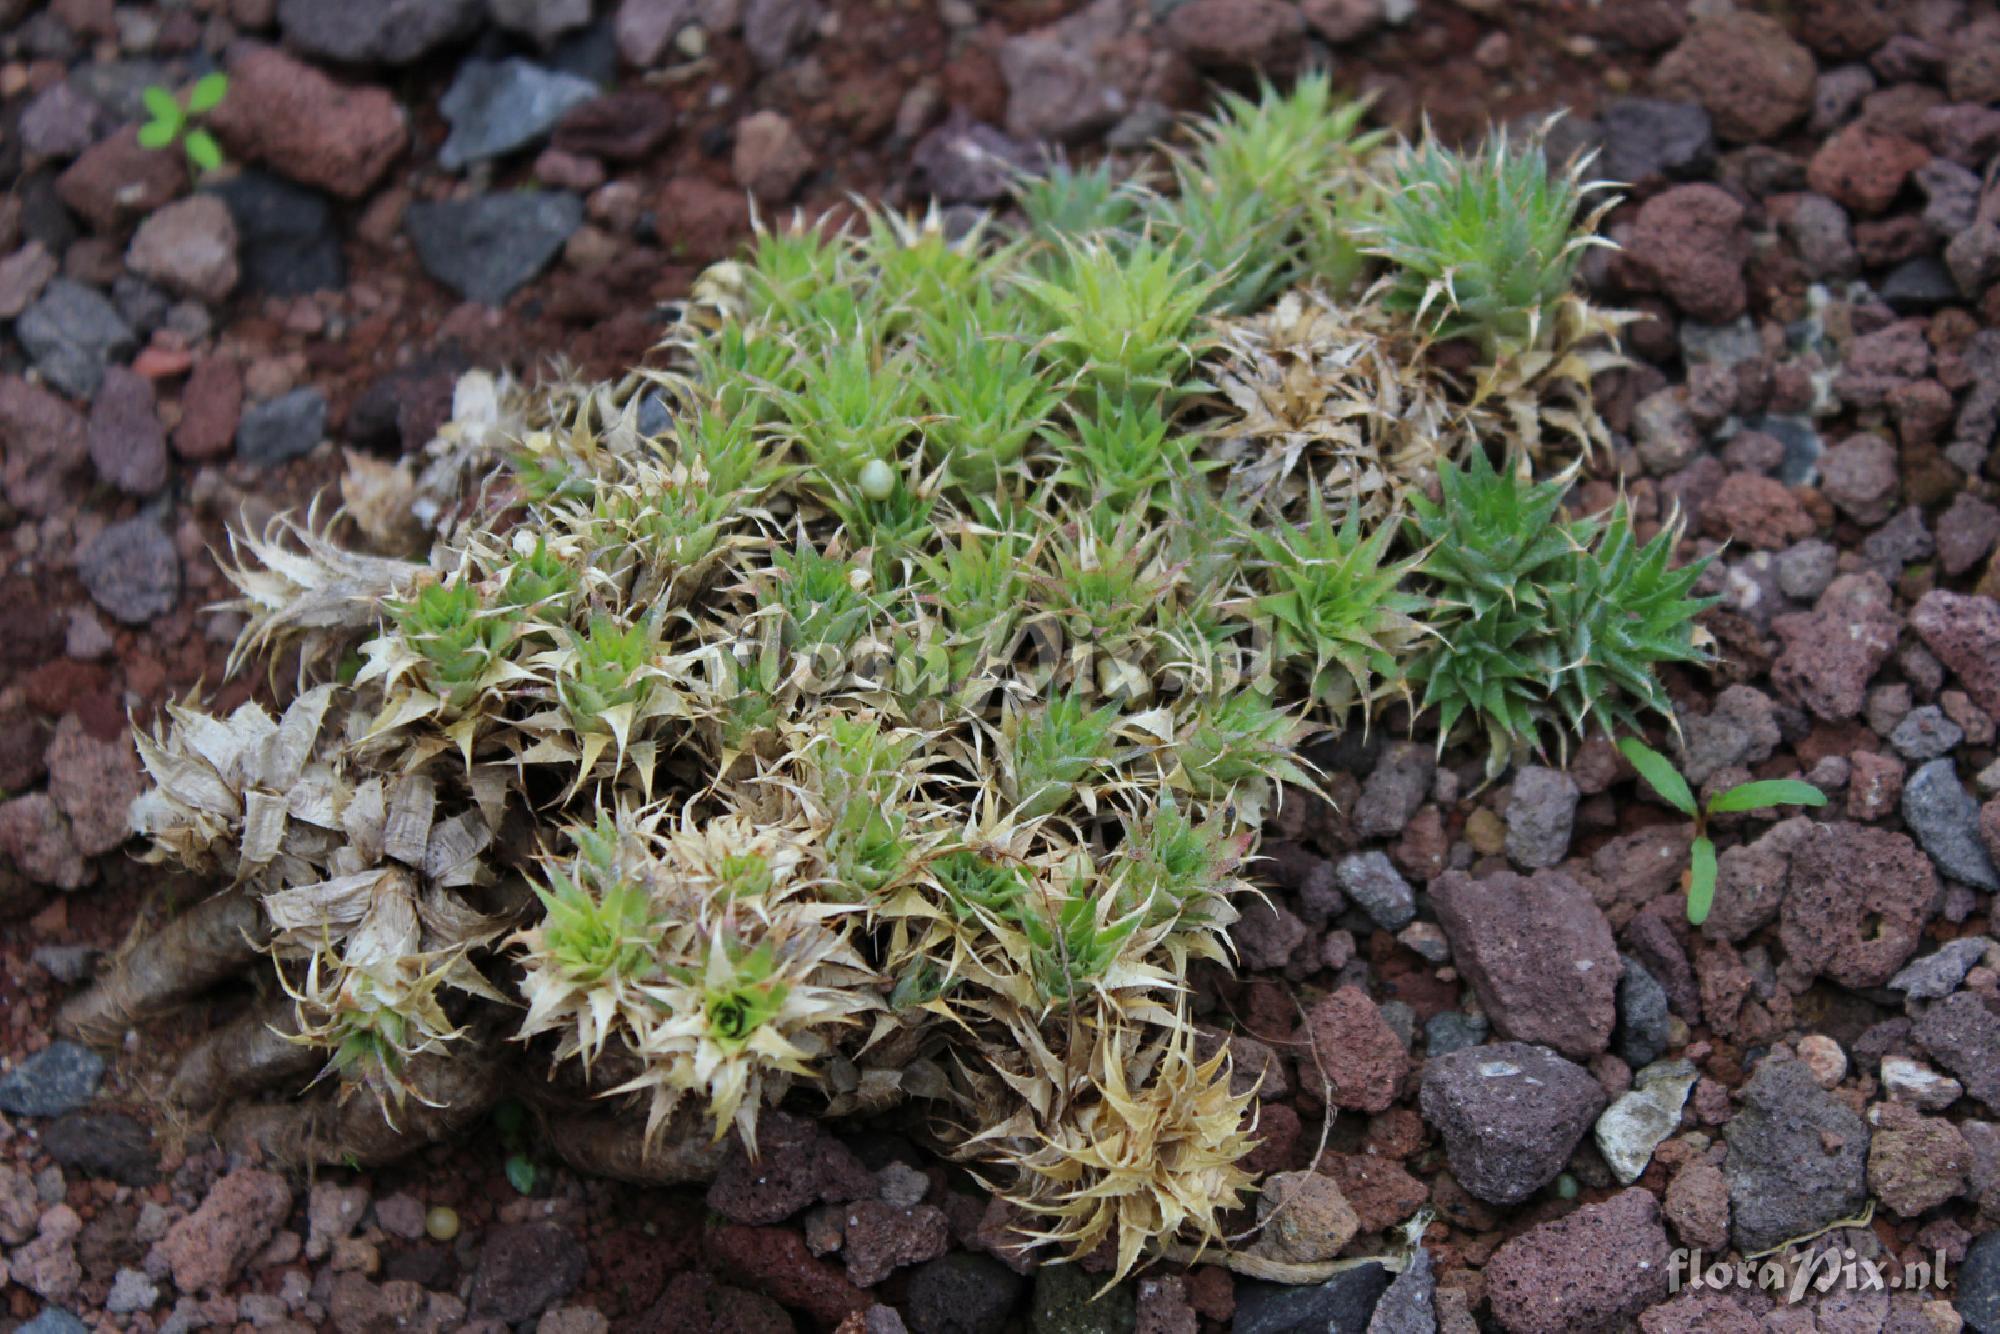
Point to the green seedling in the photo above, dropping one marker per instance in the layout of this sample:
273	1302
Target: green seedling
174	122
1663	778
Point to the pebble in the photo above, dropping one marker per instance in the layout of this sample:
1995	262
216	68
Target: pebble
1394	789
284	428
288	244
962	1291
441	1222
1510	1114
1925	734
132	570
1647	137
188	247
73	333
131	1291
1632	1127
1595	1268
1978	1297
1693	241
23	275
1823	1057
1945	819
487	247
53	1320
1371	880
1541	815
1361	1058
1345	1301
1643	1021
1305	1218
496	107
60	1078
1964	632
127	444
1745	70
1963	1036
1797	1157
1905	1080
1938	973
376	32
307	127
1453	1030
524	1269
1831	652
1539	954
770	160
211	403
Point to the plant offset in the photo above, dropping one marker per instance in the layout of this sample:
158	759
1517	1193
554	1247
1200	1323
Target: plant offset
878	701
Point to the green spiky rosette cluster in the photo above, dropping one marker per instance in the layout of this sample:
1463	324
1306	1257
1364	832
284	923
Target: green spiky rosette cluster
879	698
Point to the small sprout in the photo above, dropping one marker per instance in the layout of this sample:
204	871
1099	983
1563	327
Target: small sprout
170	122
1664	779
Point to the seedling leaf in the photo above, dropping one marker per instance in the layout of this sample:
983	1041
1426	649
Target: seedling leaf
161	106
203	151
1659	775
1701	880
1758	796
156	134
208	92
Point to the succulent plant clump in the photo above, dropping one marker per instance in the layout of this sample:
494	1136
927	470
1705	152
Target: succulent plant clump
877	698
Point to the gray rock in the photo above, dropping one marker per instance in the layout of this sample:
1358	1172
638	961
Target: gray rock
1633	1126
131	1291
376	32
1720	344
1978	1297
283	428
1806	568
1798	1158
961	1293
132	570
1964	1037
1643	1027
496	107
54	1320
1925	734
1410	1304
1067	1301
1945	819
60	122
1938	974
1372	880
1343	1304
773	29
1541	814
1919	286
486	248
1395	788
969	162
109	1145
1510	1113
60	1078
127	444
1453	1030
1742	728
1646	136
73	333
1665	432
286	240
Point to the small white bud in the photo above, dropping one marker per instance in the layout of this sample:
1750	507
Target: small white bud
878	480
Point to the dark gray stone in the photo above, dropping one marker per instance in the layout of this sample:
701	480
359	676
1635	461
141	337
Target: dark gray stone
1925	734
1978	1297
486	248
103	1145
1453	1030
54	1320
1641	1036
1919	286
1068	1301
1373	882
962	1293
1510	1113
1945	819
73	333
287	243
1343	1304
497	107
1647	136
525	1268
1541	814
60	1078
1798	1158
1938	974
371	32
1394	789
1410	1304
132	570
282	428
1963	1035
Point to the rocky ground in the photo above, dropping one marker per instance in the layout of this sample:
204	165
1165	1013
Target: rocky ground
1493	993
